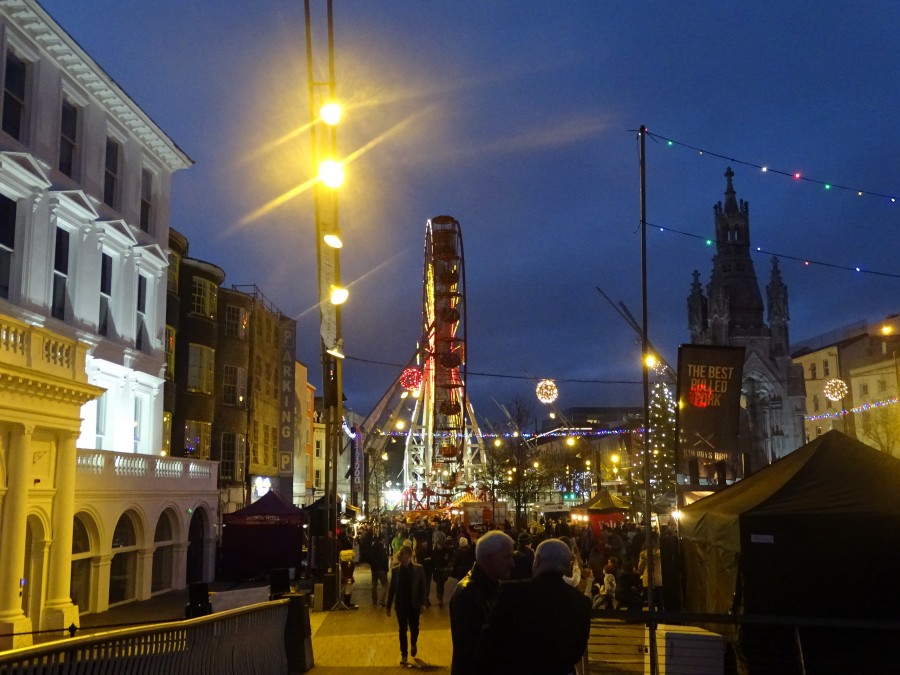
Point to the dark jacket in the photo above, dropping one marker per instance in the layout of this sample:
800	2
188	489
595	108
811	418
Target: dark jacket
543	613
419	591
469	607
378	558
463	560
523	561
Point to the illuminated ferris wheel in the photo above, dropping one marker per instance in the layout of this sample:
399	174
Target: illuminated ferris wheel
443	445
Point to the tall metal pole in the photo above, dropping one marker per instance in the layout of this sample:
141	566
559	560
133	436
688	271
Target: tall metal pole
326	209
645	370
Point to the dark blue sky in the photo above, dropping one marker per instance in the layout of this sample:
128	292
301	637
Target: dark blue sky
514	118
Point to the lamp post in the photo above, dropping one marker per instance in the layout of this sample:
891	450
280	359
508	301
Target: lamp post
324	115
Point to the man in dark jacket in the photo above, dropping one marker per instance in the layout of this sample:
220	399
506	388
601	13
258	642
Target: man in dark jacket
473	598
543	611
524	558
408	588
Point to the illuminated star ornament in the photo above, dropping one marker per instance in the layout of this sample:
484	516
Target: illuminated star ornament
835	389
546	391
411	379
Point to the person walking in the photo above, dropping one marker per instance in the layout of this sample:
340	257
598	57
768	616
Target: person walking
644	571
473	598
543	612
440	560
408	588
378	563
463	559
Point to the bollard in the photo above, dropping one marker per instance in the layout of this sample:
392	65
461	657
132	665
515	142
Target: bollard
298	634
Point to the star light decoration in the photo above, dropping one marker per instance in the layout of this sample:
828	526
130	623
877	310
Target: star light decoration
411	379
835	389
546	391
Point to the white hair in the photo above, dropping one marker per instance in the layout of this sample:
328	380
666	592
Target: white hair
490	544
552	555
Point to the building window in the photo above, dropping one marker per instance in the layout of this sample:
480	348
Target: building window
825	368
105	293
318	448
828	403
111	173
123	567
234	454
274	431
167	434
138	423
815	403
14	96
100	428
170	353
146	199
864	389
267	445
200	368
172	273
234	386
812	371
254	442
141	339
818	431
257	375
68	138
882	386
163	554
7	242
197	438
80	578
60	274
237	320
318	481
203	298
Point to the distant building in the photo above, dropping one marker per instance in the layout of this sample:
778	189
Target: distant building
93	512
730	312
863	358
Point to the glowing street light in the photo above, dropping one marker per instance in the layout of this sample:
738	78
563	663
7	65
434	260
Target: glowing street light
333	239
650	361
331	173
330	113
338	295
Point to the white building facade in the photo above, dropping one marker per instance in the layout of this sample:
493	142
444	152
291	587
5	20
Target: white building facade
91	512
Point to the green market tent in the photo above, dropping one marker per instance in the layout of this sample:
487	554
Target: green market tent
812	535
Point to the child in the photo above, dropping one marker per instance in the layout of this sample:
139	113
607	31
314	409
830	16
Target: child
606	598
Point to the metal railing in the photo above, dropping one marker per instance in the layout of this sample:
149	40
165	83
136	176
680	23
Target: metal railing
726	644
245	641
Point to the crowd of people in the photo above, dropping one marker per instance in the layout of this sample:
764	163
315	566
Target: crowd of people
539	582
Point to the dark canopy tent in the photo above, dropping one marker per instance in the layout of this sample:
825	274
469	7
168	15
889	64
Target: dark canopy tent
813	535
261	537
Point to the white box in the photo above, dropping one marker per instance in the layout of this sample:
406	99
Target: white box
686	650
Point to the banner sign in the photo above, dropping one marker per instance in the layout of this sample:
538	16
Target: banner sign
287	400
709	406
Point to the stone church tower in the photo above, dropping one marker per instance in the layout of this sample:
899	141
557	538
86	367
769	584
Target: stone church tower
731	313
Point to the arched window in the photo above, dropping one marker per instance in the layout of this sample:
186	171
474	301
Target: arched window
80	582
163	542
123	568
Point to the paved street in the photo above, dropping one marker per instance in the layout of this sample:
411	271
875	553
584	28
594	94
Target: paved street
366	640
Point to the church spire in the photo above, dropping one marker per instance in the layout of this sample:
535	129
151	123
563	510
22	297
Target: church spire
731	207
777	300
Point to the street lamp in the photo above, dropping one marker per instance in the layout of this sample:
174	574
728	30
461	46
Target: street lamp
324	119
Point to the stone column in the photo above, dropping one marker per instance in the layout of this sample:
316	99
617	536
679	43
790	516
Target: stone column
179	566
60	612
14	527
143	574
100	582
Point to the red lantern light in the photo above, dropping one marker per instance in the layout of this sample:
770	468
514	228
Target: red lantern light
411	379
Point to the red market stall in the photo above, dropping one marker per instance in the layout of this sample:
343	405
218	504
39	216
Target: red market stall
604	508
261	537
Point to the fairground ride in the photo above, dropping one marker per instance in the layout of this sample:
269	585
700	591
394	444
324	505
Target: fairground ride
427	406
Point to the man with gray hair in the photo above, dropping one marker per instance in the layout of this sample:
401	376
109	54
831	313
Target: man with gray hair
543	612
474	597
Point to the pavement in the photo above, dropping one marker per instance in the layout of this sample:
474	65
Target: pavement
366	640
363	640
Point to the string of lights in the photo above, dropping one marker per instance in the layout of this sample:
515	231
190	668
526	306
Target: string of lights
567	433
500	375
807	262
857	409
794	175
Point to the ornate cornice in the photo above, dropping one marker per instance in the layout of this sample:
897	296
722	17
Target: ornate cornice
39	26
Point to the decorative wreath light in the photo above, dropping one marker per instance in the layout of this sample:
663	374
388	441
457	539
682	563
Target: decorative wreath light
546	391
835	389
411	379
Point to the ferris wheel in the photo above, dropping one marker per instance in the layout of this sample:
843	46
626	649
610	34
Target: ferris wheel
443	445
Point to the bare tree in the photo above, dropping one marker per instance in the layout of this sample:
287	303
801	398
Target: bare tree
882	426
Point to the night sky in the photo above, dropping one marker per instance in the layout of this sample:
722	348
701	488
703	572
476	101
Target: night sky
517	118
